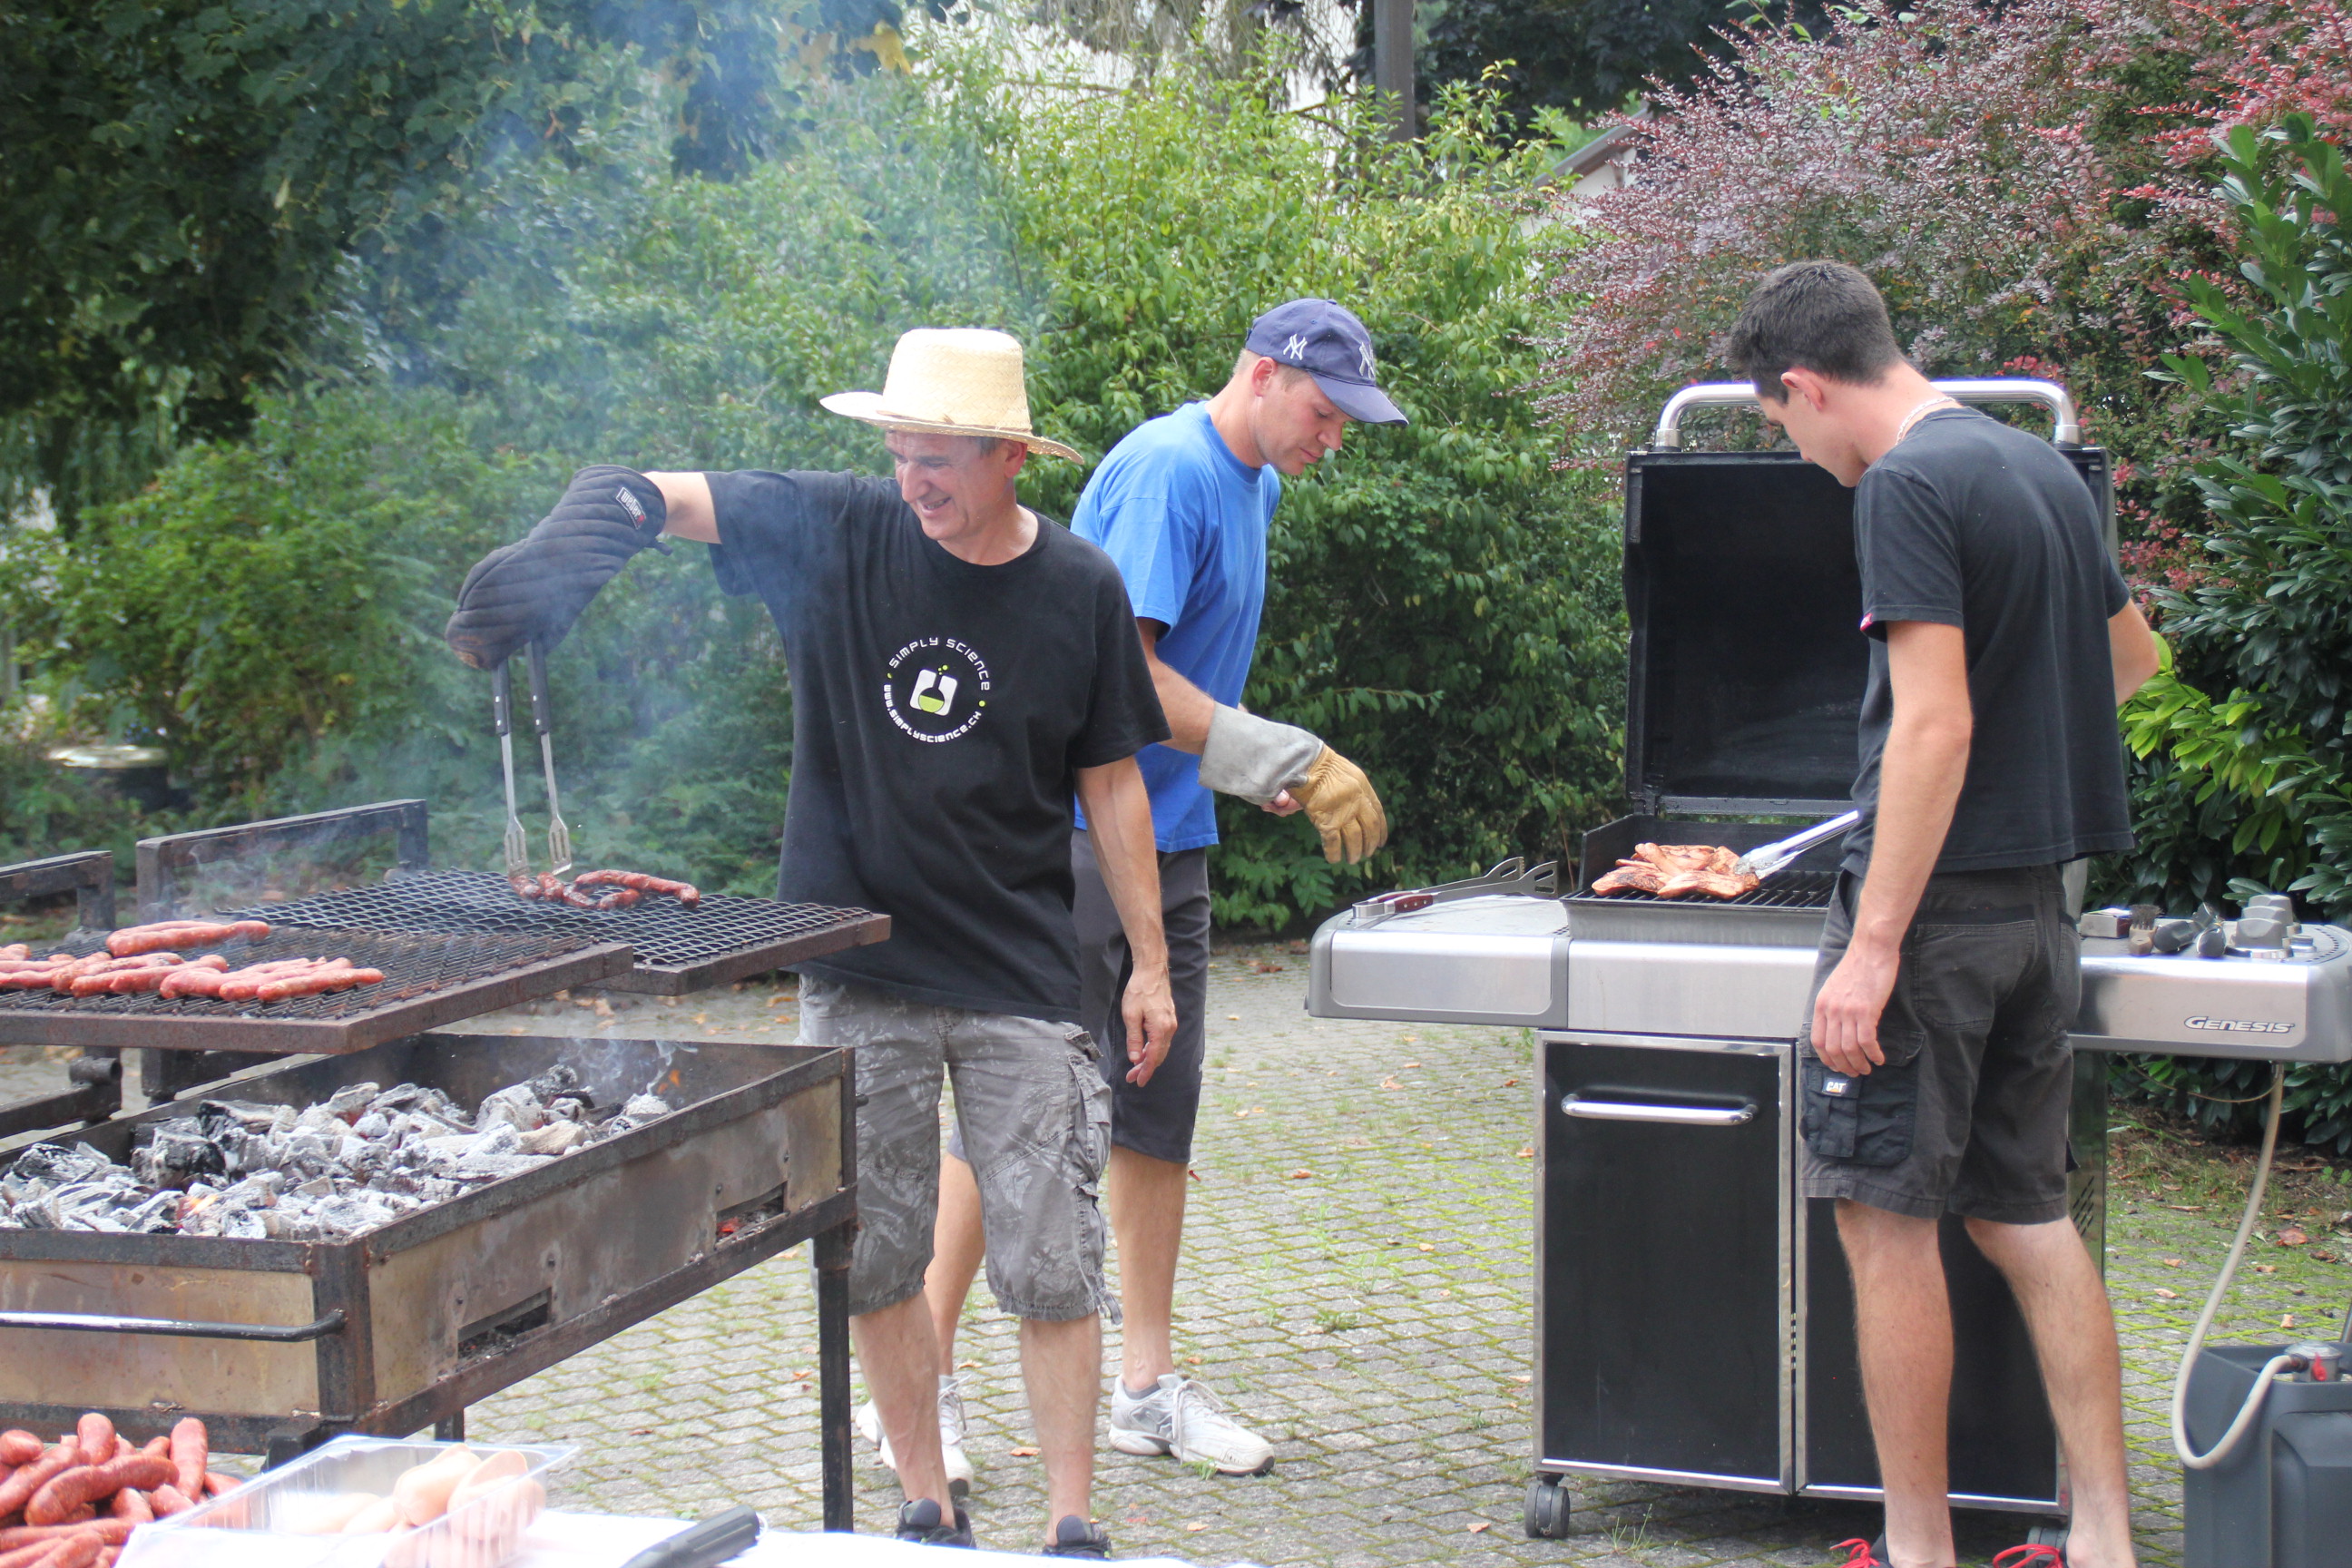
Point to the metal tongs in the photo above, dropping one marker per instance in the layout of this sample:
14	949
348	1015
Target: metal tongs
1767	859
559	835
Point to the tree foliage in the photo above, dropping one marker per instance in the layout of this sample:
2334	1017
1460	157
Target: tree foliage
191	182
1443	605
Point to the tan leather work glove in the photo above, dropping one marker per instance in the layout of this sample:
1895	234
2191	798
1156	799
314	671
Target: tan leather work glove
1344	807
1258	759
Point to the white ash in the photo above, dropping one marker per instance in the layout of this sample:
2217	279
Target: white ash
359	1160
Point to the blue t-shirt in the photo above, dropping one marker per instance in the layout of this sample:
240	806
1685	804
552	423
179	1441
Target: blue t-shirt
1185	521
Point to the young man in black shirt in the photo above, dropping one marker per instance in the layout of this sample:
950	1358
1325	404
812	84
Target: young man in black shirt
961	669
1935	1067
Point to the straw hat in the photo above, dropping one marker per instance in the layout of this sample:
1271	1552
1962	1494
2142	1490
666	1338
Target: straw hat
952	381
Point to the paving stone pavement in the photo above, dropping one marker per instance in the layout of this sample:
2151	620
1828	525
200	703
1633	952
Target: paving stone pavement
1356	1283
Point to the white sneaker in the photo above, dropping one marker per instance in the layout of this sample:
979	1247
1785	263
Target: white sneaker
959	1463
1181	1418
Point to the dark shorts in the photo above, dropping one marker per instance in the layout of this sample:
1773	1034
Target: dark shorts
1969	1113
1156	1119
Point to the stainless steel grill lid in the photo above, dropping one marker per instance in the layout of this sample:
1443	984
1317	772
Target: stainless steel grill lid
1746	660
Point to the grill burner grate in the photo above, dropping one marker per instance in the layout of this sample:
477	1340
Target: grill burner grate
452	975
677	949
1795	889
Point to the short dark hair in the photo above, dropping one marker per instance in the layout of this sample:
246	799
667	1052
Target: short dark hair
1822	316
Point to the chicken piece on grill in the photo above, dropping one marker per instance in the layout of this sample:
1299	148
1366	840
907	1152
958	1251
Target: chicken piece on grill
1714	884
1672	858
1630	876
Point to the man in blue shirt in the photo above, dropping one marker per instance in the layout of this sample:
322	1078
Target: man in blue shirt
1181	506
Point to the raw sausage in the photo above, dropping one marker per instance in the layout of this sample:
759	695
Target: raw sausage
167	1500
90	1484
191	1455
19	1488
19	1446
95	1433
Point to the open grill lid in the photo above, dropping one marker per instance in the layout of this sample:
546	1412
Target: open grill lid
1745	661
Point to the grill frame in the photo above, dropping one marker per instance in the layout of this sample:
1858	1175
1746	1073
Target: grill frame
332	1024
658	929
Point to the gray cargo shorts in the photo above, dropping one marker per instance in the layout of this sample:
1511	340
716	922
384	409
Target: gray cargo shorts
1032	1109
1968	1114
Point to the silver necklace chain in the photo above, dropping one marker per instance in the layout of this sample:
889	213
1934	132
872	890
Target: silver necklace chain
1926	408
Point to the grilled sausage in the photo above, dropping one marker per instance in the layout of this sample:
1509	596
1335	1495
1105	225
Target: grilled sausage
638	881
155	938
525	885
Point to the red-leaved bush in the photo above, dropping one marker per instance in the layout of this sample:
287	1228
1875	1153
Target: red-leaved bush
1940	151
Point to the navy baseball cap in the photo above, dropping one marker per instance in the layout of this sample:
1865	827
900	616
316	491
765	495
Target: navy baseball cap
1325	341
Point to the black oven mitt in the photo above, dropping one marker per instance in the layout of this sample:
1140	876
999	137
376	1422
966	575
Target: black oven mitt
533	589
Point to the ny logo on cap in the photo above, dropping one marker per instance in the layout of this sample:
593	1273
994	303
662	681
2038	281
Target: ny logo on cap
1295	348
1364	357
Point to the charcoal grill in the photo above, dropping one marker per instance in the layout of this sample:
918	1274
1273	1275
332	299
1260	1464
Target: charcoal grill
278	1344
429	979
678	949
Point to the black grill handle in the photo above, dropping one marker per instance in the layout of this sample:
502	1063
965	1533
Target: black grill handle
541	714
502	699
96	1323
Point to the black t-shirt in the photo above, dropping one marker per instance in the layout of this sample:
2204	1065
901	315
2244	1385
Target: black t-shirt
940	711
1971	523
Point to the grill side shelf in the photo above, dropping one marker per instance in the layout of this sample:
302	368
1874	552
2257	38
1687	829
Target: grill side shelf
663	979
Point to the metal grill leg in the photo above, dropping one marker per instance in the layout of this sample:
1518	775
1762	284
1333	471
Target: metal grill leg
450	1428
832	1374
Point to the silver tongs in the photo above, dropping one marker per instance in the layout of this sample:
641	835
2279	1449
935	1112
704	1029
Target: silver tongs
559	835
1767	859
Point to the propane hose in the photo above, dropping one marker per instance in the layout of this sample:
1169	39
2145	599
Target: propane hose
2277	1364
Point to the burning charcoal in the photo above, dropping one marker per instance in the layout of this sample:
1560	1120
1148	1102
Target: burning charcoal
555	1138
54	1164
644	1108
347	1102
516	1106
556	1082
159	1215
569	1108
375	1124
171	1154
316	1119
398	1097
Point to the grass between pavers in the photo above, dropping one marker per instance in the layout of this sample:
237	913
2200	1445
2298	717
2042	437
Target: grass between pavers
1357	1286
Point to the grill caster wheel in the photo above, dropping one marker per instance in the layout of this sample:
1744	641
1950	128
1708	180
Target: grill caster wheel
1547	1509
2049	1532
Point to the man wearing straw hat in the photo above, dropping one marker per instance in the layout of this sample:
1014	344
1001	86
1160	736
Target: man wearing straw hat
1182	503
961	667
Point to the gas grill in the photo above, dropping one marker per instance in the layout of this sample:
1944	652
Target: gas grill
1694	1313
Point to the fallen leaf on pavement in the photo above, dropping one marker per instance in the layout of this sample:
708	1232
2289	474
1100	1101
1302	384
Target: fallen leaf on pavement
2320	1256
1232	1018
2173	1262
2293	1237
2168	1295
1302	1176
1025	1453
1408	1066
1528	1153
1196	1527
1480	1528
2287	1321
1391	1082
1429	1247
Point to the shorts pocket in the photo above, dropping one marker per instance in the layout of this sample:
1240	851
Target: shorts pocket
1863	1121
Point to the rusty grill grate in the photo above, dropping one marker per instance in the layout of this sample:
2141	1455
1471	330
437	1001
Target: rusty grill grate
678	949
429	977
1787	890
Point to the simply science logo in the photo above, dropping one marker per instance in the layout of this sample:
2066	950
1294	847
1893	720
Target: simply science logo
936	689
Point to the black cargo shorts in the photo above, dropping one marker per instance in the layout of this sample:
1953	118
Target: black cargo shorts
1968	1114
